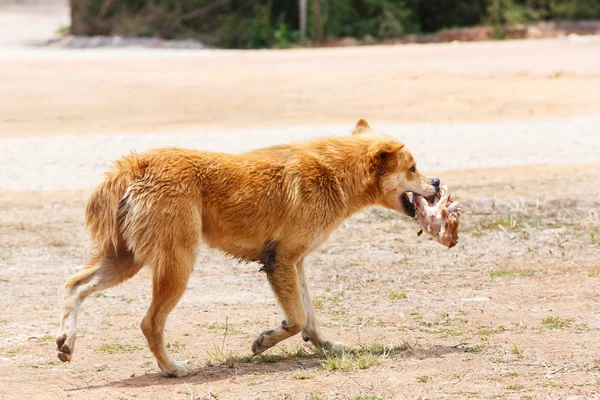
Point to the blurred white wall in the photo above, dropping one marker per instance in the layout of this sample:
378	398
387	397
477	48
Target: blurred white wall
28	22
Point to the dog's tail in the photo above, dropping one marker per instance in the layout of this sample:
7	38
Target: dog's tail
101	215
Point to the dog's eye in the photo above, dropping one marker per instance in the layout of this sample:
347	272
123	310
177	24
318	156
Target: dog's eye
413	169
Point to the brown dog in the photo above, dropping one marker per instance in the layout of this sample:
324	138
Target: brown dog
273	206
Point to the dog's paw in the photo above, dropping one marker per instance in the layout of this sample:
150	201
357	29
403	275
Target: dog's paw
65	353
257	345
179	369
262	343
333	347
321	341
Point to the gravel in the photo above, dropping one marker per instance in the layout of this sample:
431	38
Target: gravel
90	42
77	162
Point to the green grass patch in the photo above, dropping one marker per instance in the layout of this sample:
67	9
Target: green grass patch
557	322
363	357
13	352
58	243
491	331
340	362
509	223
595	272
63	30
117	348
218	356
496	273
394	295
45	339
175	347
517	351
302	376
318	302
348	361
474	349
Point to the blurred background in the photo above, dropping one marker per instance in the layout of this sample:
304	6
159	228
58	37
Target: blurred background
444	72
280	24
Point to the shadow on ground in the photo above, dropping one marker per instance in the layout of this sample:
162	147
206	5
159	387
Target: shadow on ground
287	363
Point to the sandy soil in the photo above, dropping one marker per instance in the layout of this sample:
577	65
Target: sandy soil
512	312
78	161
54	91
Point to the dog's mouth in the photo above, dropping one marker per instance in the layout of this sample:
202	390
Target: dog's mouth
412	203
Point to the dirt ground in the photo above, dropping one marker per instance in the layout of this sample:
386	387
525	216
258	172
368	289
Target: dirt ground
511	312
54	92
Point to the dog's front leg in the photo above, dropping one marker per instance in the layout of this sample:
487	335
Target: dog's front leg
311	331
284	282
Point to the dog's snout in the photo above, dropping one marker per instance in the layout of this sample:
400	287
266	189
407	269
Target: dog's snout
435	182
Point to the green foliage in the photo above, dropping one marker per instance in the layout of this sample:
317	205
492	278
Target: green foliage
274	23
381	19
284	37
582	9
434	15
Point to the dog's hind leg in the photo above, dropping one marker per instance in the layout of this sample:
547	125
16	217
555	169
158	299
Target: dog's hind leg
171	274
284	282
311	331
102	272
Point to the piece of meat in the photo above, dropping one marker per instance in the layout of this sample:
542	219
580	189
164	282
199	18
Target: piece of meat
439	220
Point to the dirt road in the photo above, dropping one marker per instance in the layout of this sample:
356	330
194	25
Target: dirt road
78	161
58	91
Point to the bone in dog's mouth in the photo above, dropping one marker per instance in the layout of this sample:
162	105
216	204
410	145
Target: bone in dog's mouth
411	201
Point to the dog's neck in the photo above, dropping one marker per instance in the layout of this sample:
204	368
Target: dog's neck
356	175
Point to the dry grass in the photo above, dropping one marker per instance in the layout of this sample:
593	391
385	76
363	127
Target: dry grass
557	322
117	348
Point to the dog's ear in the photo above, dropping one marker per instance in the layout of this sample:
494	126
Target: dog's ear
384	154
362	126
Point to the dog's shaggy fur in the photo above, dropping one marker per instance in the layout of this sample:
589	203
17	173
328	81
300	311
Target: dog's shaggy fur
273	206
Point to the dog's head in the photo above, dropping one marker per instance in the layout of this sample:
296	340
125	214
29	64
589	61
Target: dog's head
396	170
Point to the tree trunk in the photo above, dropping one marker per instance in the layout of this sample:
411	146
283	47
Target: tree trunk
78	17
317	21
302	17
